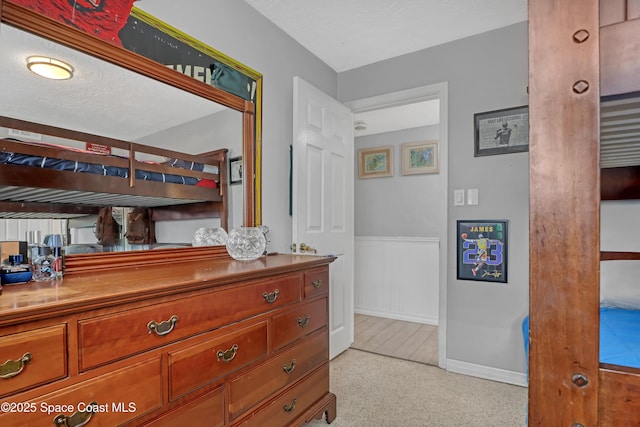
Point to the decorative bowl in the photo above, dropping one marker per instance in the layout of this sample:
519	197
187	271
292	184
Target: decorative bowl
246	243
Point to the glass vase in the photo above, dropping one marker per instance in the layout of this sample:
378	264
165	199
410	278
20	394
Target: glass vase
246	243
209	237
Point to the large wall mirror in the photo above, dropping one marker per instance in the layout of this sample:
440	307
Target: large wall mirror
120	94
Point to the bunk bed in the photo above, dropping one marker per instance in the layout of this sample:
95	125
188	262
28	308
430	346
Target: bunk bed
584	61
53	180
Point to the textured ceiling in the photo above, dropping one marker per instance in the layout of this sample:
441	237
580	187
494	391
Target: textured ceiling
347	34
101	98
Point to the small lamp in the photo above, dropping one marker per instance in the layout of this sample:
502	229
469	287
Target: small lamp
49	68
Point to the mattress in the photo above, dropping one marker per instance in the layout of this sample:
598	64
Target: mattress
619	336
99	169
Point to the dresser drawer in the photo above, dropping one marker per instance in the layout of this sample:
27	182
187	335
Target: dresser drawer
282	370
203	363
316	282
32	358
299	321
283	409
115	398
115	336
205	411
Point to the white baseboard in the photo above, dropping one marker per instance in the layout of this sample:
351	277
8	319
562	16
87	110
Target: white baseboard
397	316
487	372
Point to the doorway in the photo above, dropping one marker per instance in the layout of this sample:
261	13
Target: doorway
393	226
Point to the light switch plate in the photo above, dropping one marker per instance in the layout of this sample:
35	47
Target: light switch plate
458	197
472	196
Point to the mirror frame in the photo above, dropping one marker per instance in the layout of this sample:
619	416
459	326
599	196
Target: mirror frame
33	22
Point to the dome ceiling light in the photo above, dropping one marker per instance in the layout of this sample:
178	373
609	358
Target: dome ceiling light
49	68
360	125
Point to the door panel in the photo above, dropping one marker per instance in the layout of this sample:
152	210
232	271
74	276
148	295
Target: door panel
323	197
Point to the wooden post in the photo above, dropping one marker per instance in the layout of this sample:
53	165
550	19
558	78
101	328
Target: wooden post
564	233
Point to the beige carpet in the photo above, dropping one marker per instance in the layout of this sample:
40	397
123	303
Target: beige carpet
380	391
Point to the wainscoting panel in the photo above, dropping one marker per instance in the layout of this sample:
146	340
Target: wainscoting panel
16	229
397	278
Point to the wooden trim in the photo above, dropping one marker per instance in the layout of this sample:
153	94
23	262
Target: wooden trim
620	183
61	209
619	398
619	256
325	408
248	165
89	263
564	212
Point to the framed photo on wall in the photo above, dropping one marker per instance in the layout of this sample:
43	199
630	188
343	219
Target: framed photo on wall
235	170
482	250
420	157
501	131
375	162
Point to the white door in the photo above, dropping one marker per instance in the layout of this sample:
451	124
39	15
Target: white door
323	198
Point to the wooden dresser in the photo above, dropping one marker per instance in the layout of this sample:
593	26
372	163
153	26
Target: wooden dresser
193	343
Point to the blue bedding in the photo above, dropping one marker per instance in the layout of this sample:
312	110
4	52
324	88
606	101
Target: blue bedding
619	336
74	166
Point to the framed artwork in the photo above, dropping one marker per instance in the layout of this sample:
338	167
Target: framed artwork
235	170
501	131
420	157
375	162
482	250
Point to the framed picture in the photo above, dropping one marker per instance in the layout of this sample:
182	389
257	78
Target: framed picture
375	162
235	170
482	250
420	157
501	131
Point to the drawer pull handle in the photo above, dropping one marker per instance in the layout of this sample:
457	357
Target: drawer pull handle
291	407
288	369
302	322
78	418
317	283
11	368
227	356
164	327
271	297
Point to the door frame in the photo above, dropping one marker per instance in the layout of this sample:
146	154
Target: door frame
424	93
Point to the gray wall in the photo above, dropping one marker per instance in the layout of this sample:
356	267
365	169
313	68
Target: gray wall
401	205
237	30
486	72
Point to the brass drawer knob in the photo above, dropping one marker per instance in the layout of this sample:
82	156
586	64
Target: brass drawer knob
271	297
290	367
227	356
316	283
78	418
291	406
11	368
304	321
164	327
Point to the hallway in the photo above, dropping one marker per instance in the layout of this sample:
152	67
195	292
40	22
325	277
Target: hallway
397	338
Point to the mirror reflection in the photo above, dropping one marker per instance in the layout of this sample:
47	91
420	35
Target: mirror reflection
106	100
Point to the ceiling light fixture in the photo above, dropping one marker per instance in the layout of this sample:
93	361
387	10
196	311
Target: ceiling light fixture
360	125
49	68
